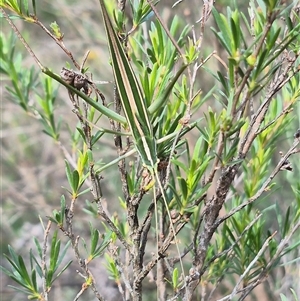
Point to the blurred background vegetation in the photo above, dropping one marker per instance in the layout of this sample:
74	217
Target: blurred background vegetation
32	165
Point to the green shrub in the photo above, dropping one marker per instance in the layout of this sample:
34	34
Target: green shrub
196	115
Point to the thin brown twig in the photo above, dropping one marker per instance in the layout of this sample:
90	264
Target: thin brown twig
79	294
87	273
59	42
263	274
247	74
193	77
255	259
97	194
214	205
116	126
219	150
175	44
258	118
74	242
235	242
166	29
206	10
84	60
17	32
43	263
162	250
263	187
113	251
285	111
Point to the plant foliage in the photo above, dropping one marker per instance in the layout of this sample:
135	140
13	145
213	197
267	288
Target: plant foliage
196	134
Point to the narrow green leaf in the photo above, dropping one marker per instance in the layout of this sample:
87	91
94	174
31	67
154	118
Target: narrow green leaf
131	96
223	81
84	245
283	297
25	5
24	291
181	165
175	278
53	260
62	270
38	247
235	35
294	294
53	248
97	136
23	270
163	98
13	254
85	190
183	188
105	242
15	6
197	149
82	134
75	182
69	173
94	241
221	39
286	225
272	38
176	196
260	63
224	28
34	7
33	281
34	296
53	220
63	253
49	277
62	208
6	271
37	267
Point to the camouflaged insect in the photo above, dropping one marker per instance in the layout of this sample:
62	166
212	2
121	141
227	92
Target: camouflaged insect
75	79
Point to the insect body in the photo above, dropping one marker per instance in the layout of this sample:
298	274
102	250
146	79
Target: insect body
75	79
